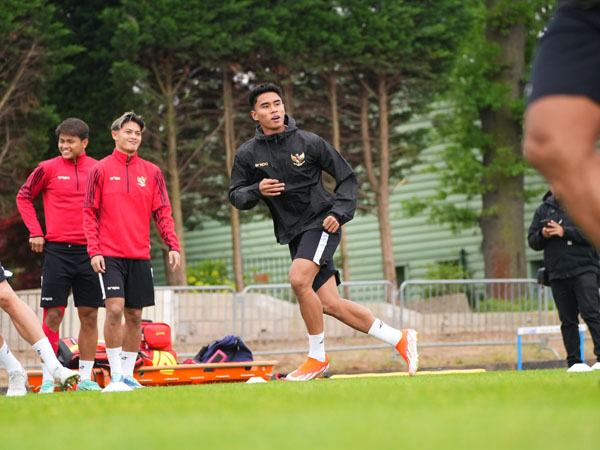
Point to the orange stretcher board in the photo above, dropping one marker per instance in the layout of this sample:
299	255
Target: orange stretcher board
182	374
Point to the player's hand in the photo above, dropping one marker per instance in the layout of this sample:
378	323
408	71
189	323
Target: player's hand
37	243
270	187
174	259
98	264
331	224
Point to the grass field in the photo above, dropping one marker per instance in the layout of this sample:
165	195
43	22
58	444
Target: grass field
547	409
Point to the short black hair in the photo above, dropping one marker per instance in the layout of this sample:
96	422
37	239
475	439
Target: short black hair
261	89
73	127
129	116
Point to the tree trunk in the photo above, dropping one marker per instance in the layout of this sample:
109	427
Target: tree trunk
288	97
179	277
383	193
236	242
335	130
379	182
503	243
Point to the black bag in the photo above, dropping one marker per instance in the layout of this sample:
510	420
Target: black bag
229	349
542	277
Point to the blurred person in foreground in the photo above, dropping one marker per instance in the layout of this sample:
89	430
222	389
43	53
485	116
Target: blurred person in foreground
562	121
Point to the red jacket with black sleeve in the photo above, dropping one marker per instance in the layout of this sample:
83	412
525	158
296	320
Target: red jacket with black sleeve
122	193
62	184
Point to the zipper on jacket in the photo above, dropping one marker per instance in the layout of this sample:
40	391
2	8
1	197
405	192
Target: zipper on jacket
127	172
76	177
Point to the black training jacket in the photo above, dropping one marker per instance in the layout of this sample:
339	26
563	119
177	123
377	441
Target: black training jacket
564	257
296	158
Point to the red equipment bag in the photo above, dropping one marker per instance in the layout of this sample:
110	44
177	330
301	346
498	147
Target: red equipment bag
156	336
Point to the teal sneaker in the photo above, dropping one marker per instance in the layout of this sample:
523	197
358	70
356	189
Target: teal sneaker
88	385
47	387
132	382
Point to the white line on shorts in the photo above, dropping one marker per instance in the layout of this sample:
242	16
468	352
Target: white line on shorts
102	286
321	248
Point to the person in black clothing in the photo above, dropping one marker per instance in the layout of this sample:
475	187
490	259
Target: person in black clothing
572	265
562	122
283	166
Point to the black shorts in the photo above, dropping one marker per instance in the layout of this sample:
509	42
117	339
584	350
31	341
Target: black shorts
131	279
318	245
66	267
568	55
3	275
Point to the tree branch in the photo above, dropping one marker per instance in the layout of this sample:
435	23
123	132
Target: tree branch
17	77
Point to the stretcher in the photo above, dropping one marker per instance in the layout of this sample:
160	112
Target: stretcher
182	374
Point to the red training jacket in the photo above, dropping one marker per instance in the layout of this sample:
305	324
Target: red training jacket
62	184
122	192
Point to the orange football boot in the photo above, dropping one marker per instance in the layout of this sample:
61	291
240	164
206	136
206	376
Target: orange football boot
407	347
310	369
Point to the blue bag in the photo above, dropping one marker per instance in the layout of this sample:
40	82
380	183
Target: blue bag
231	346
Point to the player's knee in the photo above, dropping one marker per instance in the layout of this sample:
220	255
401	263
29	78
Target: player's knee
114	311
54	317
88	319
299	282
7	296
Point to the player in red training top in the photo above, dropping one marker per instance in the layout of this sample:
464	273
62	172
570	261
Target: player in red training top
61	181
122	192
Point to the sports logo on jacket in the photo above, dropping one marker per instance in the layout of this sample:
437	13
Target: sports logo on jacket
141	181
297	159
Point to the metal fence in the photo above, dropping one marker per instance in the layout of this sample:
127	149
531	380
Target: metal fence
474	312
267	317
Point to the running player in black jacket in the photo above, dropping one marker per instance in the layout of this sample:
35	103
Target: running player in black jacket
282	166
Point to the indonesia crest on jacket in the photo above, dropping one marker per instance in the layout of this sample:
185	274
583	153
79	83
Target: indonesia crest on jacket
298	159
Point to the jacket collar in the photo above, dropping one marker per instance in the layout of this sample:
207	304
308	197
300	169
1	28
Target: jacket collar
123	158
80	159
290	127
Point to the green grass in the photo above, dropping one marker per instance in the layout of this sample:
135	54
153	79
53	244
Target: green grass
498	410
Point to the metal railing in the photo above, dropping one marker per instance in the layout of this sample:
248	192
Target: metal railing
473	312
267	317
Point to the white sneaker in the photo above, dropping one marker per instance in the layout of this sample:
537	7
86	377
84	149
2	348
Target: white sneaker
596	366
579	367
117	385
17	384
65	378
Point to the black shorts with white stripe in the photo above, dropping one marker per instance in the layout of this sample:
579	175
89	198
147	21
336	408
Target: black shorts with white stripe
317	245
67	268
131	279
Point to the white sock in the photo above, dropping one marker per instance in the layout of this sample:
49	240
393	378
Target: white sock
46	374
384	332
114	361
11	364
316	349
85	369
128	363
46	352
